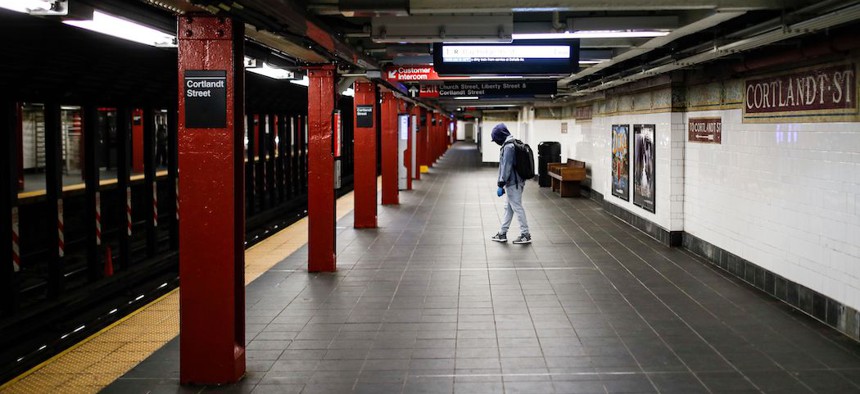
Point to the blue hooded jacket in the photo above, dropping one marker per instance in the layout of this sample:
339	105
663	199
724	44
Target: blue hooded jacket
507	174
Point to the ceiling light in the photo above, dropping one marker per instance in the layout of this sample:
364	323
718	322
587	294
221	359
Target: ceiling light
270	71
593	61
495	77
349	92
36	7
121	28
466	98
303	82
590	34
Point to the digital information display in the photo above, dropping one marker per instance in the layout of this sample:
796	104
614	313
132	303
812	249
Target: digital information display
532	57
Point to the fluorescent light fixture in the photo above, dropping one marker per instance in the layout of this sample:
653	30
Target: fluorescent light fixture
121	28
272	72
593	61
466	98
495	77
35	7
303	82
349	92
591	34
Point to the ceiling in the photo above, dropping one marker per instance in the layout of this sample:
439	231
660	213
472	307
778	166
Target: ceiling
293	33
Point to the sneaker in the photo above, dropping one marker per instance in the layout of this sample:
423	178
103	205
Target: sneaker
500	237
525	238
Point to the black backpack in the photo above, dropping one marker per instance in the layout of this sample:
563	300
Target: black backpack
524	160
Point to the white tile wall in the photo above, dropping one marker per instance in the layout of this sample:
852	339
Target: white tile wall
591	143
783	196
489	149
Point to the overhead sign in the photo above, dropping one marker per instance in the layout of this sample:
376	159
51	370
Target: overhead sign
827	92
414	73
205	94
494	89
519	58
706	130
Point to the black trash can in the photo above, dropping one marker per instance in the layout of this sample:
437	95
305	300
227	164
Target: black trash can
548	152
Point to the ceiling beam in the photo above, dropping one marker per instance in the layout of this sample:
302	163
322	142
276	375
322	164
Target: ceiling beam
699	25
483	6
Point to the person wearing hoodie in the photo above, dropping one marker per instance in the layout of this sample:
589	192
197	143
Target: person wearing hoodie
510	183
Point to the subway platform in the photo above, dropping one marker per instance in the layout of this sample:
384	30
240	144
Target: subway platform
427	303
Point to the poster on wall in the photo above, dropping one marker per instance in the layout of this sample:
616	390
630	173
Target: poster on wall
621	162
643	166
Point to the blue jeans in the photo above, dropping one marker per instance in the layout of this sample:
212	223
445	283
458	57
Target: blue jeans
515	204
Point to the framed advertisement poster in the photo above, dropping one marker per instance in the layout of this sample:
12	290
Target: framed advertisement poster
643	166
621	161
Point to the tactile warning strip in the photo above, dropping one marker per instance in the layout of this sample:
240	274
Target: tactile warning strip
97	361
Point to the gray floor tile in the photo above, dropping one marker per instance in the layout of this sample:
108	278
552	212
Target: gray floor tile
427	304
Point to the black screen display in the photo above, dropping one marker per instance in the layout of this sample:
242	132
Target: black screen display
525	57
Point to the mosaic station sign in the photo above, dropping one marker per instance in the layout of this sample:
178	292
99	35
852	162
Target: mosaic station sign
827	93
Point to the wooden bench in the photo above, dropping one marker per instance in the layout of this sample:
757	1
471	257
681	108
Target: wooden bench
566	177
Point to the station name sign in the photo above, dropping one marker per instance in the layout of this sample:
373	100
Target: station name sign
829	90
364	116
523	89
205	94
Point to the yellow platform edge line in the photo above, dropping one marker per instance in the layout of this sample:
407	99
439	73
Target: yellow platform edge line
144	307
85	340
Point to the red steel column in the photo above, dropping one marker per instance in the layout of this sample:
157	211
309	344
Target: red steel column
211	195
365	158
426	151
416	135
407	155
389	149
137	120
421	144
436	137
321	202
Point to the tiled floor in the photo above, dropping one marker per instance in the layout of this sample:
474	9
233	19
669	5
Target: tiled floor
428	304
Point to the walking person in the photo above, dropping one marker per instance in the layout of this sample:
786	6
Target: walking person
510	183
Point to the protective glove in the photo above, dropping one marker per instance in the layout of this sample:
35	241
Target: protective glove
500	192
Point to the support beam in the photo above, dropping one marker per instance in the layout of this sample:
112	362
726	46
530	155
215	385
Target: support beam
365	155
54	197
389	149
320	161
93	194
150	185
418	7
9	219
123	175
211	192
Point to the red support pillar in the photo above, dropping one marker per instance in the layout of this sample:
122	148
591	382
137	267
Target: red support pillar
421	144
321	202
436	136
137	141
365	155
416	134
407	155
389	149
212	230
428	146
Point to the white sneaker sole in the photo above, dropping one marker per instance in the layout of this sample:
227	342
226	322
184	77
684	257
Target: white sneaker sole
522	242
499	240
